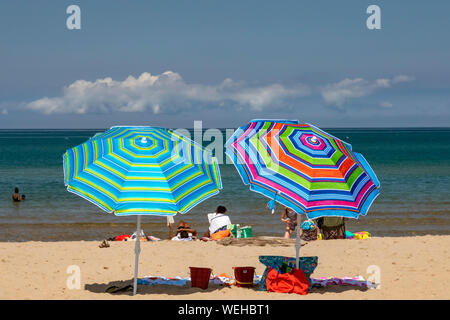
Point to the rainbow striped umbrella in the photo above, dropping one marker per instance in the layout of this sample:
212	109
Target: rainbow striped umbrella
303	168
141	171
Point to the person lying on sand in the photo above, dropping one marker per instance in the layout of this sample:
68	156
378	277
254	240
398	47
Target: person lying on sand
183	232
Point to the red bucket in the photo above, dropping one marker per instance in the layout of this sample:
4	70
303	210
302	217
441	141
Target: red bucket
244	276
200	277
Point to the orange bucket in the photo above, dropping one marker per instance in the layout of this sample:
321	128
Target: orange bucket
244	276
200	277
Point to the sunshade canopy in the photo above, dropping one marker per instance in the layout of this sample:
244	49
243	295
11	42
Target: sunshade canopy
141	171
303	168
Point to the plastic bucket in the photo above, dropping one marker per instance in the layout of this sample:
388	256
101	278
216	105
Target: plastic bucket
246	232
244	276
200	277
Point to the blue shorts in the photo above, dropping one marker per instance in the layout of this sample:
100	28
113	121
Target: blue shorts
220	229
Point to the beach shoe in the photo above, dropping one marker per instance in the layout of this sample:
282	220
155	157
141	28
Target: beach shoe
111	289
115	289
104	244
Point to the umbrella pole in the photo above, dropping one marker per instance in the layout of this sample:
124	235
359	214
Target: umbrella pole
297	247
137	250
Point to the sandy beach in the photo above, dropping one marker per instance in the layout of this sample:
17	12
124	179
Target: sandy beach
411	268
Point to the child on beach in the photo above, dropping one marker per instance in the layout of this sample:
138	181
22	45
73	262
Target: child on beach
290	217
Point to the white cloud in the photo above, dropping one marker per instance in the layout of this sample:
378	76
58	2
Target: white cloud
386	104
338	93
4	112
402	78
169	93
160	93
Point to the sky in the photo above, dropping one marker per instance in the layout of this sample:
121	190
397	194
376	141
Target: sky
168	63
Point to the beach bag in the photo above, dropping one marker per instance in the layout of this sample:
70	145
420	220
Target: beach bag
309	235
294	281
221	234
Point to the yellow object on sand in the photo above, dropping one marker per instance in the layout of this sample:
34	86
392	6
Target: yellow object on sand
361	235
319	236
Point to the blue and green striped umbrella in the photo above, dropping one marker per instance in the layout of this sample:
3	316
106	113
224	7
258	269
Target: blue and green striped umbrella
142	171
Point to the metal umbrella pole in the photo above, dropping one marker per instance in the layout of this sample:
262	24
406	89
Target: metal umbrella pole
137	250
297	247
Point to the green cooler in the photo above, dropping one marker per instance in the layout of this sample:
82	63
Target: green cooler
246	232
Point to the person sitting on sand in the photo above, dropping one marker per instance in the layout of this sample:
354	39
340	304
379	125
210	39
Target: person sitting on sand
183	232
16	196
290	217
218	222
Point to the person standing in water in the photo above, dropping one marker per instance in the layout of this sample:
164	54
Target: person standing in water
290	217
16	196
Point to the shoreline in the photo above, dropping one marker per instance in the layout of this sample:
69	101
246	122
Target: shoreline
410	268
447	234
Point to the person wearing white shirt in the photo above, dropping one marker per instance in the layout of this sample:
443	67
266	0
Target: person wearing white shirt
218	221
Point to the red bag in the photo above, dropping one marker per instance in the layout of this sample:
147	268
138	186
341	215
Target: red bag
292	282
122	237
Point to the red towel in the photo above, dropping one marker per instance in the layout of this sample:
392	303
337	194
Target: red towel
292	282
122	237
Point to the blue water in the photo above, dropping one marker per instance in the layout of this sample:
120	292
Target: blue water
413	166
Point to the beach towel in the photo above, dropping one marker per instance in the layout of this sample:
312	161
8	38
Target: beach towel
122	237
294	281
217	221
179	238
224	279
342	281
221	279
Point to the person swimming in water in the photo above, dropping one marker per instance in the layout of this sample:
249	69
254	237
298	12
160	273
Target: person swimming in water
16	196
